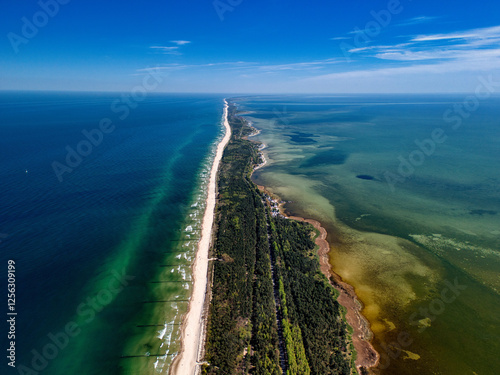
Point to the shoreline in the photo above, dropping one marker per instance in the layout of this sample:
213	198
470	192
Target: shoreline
367	357
193	324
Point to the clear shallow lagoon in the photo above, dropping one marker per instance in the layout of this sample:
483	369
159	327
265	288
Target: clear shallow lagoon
421	245
118	231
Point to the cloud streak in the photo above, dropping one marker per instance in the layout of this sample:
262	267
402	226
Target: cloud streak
180	42
474	34
465	45
417	20
170	50
254	67
422	57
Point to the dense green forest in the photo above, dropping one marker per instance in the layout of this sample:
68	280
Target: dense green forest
272	311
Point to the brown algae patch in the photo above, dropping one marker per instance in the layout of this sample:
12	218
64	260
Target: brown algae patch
375	264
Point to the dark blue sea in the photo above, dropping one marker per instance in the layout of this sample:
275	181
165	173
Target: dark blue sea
99	210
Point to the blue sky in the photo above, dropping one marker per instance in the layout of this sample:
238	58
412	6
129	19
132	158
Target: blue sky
250	46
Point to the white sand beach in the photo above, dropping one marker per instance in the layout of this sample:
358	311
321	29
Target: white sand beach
186	362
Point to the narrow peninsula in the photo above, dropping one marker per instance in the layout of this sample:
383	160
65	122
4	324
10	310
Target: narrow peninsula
272	310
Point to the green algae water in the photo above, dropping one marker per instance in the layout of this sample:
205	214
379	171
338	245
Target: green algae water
102	257
411	201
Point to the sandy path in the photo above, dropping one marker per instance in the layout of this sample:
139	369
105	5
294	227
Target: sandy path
192	328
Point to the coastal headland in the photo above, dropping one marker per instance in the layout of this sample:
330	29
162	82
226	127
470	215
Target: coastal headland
367	357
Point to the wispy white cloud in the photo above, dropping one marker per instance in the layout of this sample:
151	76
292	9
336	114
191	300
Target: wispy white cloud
171	50
440	68
451	54
408	22
434	37
463	45
180	42
474	34
317	64
255	67
417	20
425	58
220	65
378	48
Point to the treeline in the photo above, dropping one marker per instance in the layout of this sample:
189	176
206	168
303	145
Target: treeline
242	333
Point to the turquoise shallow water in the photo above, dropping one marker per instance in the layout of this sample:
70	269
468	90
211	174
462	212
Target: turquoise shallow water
405	216
118	231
